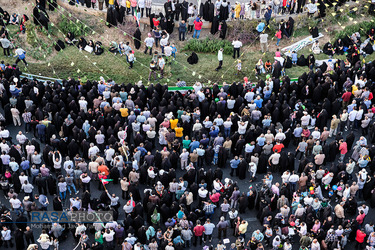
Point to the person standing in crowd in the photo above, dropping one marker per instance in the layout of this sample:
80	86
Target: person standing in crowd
237	44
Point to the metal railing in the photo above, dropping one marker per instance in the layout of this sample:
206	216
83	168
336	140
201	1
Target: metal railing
40	78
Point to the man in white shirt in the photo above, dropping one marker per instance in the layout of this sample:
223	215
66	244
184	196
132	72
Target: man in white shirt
16	204
202	193
4	147
108	237
305	119
83	104
236	48
293	179
280	135
109	153
263	42
352	117
93	150
149	41
274	161
316	134
184	158
21	138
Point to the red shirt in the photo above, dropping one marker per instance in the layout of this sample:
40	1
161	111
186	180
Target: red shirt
346	96
198	25
360	236
215	197
278	147
343	148
360	218
198	230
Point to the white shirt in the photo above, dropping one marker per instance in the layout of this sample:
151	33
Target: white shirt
82	104
109	153
315	135
263	38
305	120
352	115
149	41
293	178
16	203
93	151
109	236
359	114
237	44
220	55
21	138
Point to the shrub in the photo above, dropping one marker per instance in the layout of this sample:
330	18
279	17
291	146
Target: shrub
31	37
244	30
209	45
76	27
362	28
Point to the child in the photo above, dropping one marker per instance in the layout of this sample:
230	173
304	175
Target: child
277	53
294	58
190	23
174	50
2	66
238	66
278	36
131	59
268	66
259	67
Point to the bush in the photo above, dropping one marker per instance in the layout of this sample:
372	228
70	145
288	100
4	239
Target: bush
209	45
31	37
76	27
362	28
243	30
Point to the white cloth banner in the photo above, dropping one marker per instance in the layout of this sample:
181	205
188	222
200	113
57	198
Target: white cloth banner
300	44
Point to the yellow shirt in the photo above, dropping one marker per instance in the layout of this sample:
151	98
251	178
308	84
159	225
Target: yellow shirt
111	2
237	9
243	228
179	132
127	4
354	88
124	112
173	123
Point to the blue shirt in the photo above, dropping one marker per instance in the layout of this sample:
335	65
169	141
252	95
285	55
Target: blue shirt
214	133
260	141
234	163
260	27
101	88
43	200
194	145
258	102
294	57
267	94
205	142
143	151
25	165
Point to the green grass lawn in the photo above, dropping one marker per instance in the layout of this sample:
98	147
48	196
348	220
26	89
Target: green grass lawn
72	62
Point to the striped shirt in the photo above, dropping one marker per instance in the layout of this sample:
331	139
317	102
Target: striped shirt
209	208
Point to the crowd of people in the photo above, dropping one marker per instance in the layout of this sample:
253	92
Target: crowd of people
184	162
272	164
